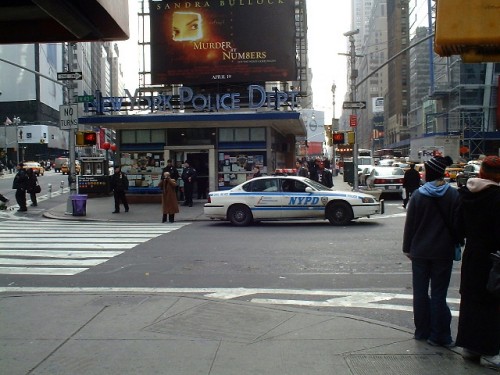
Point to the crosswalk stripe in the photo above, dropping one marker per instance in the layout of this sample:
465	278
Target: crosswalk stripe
51	262
40	271
66	249
68	254
77	245
76	240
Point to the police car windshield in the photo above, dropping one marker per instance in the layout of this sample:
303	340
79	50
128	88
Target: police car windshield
316	185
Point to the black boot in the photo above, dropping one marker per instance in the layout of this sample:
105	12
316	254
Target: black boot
164	218
171	218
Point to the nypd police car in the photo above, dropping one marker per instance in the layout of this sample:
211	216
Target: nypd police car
289	198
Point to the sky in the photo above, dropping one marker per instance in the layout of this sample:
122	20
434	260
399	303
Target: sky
327	22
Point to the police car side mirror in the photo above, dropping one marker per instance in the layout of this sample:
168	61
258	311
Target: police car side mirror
309	189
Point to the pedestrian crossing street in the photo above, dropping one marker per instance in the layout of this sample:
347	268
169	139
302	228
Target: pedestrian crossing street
56	248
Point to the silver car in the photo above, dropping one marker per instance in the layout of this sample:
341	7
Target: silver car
387	179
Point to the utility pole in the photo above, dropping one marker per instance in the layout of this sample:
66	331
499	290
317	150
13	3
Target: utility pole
353	76
71	140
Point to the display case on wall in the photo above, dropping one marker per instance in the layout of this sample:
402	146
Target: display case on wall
236	167
143	170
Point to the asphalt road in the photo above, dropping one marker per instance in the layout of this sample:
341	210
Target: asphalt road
358	269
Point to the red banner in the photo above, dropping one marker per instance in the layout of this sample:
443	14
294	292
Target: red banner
353	121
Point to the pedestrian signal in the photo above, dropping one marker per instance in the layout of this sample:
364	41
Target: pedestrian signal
89	138
338	138
86	138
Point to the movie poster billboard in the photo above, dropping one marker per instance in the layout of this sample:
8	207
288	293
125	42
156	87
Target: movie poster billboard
199	42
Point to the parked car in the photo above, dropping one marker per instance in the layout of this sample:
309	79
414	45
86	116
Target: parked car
470	170
37	168
288	198
387	179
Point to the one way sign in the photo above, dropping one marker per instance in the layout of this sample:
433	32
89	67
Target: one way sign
66	76
354	105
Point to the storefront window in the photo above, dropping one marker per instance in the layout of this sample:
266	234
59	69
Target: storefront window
128	136
143	136
235	167
143	170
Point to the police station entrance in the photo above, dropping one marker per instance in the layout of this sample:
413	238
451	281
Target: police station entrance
202	158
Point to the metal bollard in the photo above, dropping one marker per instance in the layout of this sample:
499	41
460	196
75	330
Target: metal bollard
61	185
49	188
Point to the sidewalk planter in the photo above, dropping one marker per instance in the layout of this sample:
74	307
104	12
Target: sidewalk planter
79	202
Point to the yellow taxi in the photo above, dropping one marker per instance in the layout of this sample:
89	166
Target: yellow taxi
65	168
453	170
37	168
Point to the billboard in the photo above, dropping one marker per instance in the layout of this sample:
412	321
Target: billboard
217	41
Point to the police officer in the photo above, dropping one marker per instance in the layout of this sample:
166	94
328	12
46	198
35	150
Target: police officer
189	178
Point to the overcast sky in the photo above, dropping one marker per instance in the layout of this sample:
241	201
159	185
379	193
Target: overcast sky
327	21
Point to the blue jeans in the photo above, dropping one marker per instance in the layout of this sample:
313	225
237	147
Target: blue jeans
431	313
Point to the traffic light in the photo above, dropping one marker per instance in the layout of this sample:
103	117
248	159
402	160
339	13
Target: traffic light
86	138
338	138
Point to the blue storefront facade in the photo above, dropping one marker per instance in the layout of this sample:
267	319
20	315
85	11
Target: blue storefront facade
224	147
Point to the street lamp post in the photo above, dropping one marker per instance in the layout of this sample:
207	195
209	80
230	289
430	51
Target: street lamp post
353	76
17	121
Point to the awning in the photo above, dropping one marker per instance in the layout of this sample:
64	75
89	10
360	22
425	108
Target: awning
286	123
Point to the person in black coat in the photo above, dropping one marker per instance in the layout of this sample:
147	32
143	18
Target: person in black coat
411	182
429	240
189	177
324	175
119	186
20	184
479	319
32	184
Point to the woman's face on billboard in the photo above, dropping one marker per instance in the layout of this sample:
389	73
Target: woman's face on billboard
186	26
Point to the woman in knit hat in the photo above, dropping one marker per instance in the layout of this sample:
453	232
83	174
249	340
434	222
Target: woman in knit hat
429	240
479	320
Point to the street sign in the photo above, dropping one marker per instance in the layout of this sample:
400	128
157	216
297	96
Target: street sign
354	105
67	76
353	121
84	98
68	116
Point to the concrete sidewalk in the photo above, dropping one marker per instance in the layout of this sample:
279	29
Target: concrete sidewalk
132	331
145	333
